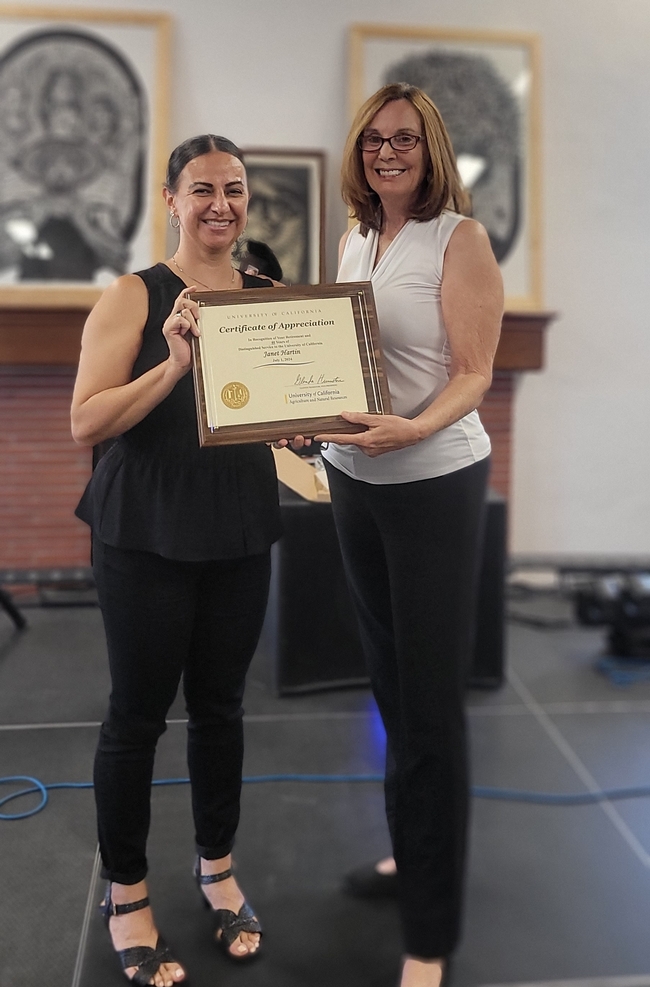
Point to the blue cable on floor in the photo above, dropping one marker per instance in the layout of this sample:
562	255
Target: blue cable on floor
481	792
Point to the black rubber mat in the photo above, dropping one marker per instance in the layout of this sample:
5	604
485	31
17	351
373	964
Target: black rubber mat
553	893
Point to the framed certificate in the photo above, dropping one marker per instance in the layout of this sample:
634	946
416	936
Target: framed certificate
272	363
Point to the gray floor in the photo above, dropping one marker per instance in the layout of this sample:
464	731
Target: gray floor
554	894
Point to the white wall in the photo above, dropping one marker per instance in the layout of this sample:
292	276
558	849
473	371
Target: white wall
274	74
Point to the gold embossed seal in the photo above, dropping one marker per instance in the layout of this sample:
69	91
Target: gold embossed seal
235	394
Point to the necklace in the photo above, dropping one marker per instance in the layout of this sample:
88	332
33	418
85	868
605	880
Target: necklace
202	283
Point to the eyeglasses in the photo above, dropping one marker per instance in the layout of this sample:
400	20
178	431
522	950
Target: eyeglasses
398	142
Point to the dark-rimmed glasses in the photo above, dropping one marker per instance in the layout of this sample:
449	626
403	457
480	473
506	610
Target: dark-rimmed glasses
398	142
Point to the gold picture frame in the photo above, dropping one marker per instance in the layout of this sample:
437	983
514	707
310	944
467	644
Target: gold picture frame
487	87
85	95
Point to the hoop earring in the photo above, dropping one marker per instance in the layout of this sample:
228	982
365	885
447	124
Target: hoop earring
172	217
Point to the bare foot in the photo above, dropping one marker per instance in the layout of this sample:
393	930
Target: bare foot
421	973
138	929
386	866
226	894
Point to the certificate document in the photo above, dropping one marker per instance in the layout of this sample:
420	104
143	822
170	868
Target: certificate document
278	362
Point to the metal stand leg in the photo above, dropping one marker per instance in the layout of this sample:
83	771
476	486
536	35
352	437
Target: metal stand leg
8	604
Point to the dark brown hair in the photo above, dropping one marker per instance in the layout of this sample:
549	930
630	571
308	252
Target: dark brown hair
192	148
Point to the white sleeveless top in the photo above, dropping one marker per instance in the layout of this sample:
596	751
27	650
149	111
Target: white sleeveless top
406	284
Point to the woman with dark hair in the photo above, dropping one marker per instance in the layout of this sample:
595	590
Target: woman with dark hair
408	492
181	556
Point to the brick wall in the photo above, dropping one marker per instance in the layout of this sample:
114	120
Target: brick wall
43	473
496	415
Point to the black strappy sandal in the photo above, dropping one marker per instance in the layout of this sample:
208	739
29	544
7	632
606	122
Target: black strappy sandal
145	958
225	920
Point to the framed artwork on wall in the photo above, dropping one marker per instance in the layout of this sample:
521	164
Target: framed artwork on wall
83	148
486	86
286	210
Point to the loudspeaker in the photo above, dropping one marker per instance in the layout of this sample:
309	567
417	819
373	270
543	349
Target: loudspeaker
310	637
487	666
310	634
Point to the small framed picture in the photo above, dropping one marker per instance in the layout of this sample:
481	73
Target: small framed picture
286	210
486	86
83	145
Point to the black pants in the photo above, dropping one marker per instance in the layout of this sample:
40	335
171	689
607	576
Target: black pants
411	553
166	619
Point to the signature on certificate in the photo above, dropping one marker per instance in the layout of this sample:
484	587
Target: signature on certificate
316	381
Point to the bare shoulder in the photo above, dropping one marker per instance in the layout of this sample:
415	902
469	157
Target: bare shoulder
469	247
113	330
125	300
124	290
469	234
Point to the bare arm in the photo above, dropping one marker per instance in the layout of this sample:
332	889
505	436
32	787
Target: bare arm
472	308
106	402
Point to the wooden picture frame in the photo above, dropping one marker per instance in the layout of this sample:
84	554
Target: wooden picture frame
287	210
486	85
259	378
84	98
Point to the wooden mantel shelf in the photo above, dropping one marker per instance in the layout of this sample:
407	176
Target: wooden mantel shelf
53	337
521	346
41	336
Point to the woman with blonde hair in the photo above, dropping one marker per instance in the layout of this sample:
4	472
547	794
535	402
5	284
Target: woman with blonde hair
408	492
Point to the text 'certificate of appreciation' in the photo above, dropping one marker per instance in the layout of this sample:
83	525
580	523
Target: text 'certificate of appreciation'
285	361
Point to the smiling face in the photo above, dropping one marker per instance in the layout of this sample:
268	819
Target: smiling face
211	201
396	175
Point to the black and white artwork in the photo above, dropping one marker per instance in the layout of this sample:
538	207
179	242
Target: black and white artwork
483	118
484	87
73	129
77	159
286	210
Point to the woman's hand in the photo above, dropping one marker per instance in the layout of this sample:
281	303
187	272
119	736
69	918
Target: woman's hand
296	443
384	433
182	319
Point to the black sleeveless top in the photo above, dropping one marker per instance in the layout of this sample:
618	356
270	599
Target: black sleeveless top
157	490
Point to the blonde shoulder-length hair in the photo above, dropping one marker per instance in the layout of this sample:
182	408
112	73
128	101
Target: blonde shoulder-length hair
441	188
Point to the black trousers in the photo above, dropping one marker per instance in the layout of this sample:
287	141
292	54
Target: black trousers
411	553
166	619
